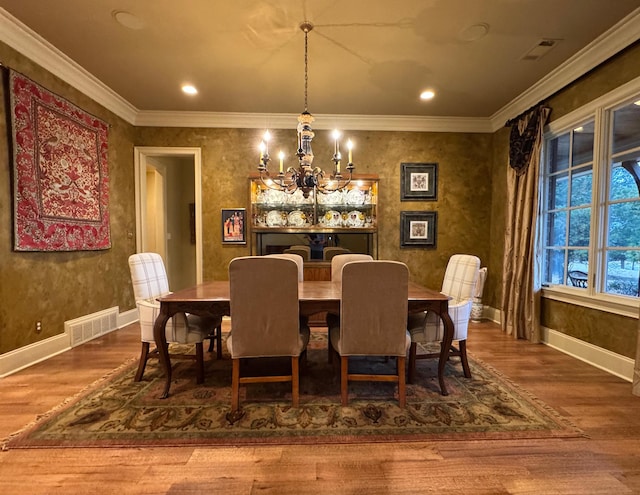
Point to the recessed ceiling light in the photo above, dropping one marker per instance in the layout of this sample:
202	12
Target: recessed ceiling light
475	32
127	19
189	89
427	95
637	103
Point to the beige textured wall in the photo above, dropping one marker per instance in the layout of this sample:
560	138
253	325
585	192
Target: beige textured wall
464	187
610	331
55	287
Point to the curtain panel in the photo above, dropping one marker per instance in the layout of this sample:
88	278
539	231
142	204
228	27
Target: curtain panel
520	285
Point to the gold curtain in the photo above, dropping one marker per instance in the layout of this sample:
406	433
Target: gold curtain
520	286
636	369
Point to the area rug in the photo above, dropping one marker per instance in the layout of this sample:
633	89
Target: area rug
117	412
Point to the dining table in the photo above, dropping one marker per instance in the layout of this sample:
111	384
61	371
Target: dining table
213	299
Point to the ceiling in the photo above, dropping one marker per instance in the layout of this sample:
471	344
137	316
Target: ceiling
366	57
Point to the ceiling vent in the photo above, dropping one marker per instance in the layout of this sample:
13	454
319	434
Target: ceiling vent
541	48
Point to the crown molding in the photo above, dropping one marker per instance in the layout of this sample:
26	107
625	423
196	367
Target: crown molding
612	41
33	46
323	121
30	44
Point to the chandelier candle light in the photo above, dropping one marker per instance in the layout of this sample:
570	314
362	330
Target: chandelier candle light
306	177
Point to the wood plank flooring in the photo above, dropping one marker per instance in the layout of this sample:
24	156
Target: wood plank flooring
608	462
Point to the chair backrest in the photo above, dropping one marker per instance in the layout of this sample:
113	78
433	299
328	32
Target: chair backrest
304	251
329	253
338	261
373	308
148	276
264	307
460	277
295	257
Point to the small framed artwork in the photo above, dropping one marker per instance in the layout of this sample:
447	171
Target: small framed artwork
419	181
418	228
234	226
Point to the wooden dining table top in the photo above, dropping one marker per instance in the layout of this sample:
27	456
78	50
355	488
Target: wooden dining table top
219	291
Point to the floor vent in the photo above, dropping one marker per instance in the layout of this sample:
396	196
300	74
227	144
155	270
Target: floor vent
89	327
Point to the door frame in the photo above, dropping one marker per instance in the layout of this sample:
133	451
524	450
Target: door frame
141	153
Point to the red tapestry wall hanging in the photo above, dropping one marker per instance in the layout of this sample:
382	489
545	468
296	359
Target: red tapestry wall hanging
60	172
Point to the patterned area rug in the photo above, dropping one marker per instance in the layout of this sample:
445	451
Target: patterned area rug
116	412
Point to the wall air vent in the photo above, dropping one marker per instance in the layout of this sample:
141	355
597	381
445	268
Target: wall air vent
541	48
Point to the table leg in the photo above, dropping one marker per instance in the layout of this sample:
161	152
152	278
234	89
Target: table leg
160	337
447	339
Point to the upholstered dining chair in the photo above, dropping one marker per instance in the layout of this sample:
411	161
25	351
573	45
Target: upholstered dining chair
294	257
460	278
337	262
302	250
265	319
372	321
329	252
149	279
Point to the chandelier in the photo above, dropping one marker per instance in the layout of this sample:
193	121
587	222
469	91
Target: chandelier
305	177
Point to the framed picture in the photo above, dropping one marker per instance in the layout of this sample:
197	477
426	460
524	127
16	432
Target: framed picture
419	181
418	228
234	226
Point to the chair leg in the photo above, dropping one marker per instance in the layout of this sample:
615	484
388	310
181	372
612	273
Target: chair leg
219	341
329	348
463	358
144	355
344	379
402	386
216	336
295	381
235	385
412	361
200	362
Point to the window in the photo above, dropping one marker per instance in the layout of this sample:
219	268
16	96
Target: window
590	221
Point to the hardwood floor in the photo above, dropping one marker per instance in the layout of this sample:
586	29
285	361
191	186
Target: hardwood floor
608	462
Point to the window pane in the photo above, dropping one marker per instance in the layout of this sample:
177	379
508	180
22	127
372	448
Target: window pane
583	144
626	122
622	272
558	149
623	180
555	266
624	224
579	224
581	186
558	191
557	230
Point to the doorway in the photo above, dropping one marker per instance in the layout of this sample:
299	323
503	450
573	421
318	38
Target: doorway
169	211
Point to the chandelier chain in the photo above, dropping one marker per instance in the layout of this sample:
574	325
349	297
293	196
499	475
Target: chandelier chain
306	70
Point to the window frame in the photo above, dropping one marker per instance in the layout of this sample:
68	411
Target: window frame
600	111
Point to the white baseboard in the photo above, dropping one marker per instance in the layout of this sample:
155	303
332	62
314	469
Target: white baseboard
19	359
616	364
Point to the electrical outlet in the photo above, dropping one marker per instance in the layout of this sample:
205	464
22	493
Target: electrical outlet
38	326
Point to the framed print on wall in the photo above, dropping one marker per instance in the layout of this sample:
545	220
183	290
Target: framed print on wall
419	181
234	226
418	228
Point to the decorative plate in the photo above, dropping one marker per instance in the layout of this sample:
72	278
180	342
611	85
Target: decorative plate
333	218
332	198
297	218
275	218
355	197
355	219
